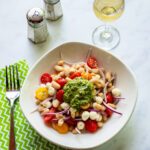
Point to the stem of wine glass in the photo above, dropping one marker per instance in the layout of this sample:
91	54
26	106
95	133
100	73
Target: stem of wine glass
106	35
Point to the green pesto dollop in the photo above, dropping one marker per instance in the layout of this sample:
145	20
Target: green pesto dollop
78	92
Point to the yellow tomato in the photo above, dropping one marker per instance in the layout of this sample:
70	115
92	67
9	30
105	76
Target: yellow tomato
61	129
87	76
41	93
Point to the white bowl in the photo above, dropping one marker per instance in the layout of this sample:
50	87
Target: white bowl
74	52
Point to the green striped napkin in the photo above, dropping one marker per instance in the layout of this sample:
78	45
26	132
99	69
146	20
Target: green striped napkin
26	137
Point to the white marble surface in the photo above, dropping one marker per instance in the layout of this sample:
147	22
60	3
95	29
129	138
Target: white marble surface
77	24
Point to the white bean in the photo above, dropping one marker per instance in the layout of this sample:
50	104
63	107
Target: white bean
100	124
58	68
98	106
60	122
95	70
108	76
68	79
61	63
55	85
81	70
55	103
62	73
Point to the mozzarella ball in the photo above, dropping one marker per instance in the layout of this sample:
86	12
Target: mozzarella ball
51	91
85	115
64	105
99	117
48	84
93	115
47	104
98	99
116	92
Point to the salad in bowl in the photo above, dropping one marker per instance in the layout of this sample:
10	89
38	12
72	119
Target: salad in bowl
77	97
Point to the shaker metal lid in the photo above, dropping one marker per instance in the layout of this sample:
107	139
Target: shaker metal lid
35	15
51	1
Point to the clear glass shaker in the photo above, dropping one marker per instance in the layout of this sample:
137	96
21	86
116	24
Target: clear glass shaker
53	9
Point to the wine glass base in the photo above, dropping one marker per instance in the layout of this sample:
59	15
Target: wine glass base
106	37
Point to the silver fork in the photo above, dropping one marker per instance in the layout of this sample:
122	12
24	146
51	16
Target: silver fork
12	93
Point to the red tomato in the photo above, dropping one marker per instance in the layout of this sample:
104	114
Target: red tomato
48	118
75	74
92	62
108	112
109	97
46	77
59	95
61	81
91	126
71	122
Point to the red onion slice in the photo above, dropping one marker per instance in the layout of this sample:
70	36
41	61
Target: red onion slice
105	91
61	112
113	110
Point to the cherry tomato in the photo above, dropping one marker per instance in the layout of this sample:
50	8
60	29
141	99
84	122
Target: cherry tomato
91	126
108	112
41	93
46	77
61	81
92	62
109	97
48	118
75	74
59	95
64	128
71	122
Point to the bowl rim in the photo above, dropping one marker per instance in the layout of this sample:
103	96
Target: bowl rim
105	51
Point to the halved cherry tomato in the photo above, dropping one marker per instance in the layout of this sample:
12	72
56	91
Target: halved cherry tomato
61	129
41	93
61	81
108	112
59	95
92	62
46	77
75	74
87	76
48	118
109	97
91	126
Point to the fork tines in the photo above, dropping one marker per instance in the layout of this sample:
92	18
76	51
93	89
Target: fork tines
12	78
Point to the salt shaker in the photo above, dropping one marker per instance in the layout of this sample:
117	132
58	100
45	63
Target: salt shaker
53	9
37	27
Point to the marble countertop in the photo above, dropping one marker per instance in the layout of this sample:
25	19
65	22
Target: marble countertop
77	24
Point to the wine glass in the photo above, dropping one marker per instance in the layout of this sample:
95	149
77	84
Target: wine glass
107	36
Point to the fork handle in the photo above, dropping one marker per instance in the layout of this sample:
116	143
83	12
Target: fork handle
12	143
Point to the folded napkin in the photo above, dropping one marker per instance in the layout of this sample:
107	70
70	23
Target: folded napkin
26	137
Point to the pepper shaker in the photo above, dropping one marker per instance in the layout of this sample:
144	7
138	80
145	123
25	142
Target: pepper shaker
37	27
53	9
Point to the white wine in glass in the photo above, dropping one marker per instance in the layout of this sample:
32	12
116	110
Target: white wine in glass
106	36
